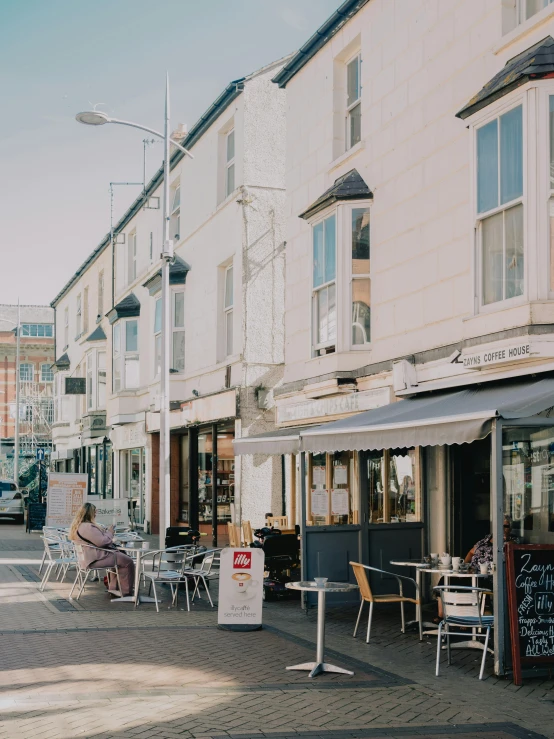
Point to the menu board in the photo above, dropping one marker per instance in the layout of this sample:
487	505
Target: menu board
66	494
530	581
340	502
320	502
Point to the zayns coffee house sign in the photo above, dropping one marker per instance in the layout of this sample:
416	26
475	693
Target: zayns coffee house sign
516	352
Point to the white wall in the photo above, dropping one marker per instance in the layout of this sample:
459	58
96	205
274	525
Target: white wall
422	61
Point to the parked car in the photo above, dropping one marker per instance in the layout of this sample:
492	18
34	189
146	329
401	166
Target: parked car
12	504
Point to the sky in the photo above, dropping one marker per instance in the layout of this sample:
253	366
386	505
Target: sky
58	57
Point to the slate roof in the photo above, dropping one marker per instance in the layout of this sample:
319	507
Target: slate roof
323	35
97	335
351	186
536	62
62	362
129	307
178	271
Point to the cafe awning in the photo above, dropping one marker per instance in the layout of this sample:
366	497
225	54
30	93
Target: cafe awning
280	441
454	417
457	417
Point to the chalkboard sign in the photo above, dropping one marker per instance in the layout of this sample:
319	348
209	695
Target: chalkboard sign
36	516
530	580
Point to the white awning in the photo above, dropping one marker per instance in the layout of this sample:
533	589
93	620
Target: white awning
280	441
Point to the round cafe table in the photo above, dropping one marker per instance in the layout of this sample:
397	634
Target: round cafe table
319	666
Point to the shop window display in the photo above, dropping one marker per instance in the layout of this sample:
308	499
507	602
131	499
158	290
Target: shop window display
331	497
528	482
393	485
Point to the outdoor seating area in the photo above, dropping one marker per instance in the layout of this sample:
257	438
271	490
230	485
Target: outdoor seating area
187	567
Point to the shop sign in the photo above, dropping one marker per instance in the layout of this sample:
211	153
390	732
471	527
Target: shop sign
110	511
66	494
506	354
129	435
241	579
334	405
209	408
75	385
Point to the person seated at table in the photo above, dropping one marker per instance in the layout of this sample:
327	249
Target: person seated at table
97	539
481	553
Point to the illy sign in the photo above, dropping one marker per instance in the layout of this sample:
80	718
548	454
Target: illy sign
241	581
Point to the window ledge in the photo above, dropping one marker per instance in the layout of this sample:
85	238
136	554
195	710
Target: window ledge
346	156
523	29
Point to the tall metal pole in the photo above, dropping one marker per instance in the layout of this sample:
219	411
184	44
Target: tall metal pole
16	445
167	257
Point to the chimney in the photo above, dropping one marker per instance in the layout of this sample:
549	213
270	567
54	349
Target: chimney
179	134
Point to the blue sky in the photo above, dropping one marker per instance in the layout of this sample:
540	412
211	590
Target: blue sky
59	56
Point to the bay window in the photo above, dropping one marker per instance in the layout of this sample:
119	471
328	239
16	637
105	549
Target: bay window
125	355
96	380
499	145
324	288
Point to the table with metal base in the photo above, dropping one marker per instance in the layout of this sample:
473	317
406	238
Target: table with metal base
136	598
319	666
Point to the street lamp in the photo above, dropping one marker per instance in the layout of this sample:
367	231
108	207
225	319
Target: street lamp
16	445
98	118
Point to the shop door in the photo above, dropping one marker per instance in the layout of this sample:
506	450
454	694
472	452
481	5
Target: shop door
136	484
470	514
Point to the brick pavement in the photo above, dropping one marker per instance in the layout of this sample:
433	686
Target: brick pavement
99	669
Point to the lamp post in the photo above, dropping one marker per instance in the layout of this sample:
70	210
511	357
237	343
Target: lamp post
16	444
98	118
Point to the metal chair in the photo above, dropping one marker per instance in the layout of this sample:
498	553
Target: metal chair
208	570
84	570
53	534
369	597
55	558
461	608
168	566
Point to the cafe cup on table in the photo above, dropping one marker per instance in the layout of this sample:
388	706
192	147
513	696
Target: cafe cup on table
434	558
456	563
484	568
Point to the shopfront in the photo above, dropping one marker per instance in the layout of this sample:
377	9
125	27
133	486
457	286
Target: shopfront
437	471
131	457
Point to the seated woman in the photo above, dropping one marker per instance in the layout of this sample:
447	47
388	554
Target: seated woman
87	532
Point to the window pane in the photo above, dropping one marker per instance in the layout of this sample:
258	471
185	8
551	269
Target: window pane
360	241
179	310
353	81
229	332
361	311
231	146
492	233
551	119
131	336
330	259
511	155
513	226
230	178
402	490
533	6
487	167
355	125
158	316
322	319
179	350
318	254
229	287
101	379
158	352
131	372
176	199
116	337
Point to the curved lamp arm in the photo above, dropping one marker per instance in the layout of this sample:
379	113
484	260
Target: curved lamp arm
152	131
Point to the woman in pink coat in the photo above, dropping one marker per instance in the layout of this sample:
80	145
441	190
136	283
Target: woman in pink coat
84	531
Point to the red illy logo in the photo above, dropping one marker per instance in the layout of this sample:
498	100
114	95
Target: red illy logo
242	560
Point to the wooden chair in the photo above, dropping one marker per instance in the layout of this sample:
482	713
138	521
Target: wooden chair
247	535
234	534
280	522
368	596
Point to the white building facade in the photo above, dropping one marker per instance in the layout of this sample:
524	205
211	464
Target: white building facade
227	296
419	266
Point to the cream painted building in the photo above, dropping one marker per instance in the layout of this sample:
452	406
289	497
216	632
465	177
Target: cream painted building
227	295
419	307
